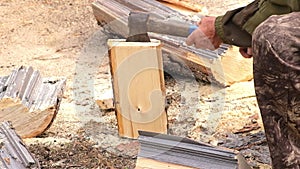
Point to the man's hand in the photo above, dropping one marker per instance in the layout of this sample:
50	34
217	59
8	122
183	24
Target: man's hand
205	36
246	52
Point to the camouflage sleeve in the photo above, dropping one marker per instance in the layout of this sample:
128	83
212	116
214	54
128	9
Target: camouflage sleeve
293	4
236	26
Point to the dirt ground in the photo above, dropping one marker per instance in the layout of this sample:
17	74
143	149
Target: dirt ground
62	38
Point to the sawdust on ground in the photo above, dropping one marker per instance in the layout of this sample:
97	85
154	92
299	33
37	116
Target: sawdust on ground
62	38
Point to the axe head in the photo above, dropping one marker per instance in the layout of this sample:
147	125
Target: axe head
137	24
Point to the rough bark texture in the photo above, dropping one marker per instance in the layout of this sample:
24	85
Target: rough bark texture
276	44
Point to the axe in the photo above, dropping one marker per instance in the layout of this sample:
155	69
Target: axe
140	23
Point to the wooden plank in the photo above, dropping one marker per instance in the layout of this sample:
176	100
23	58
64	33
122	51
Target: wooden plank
185	152
146	163
138	84
191	5
180	9
213	66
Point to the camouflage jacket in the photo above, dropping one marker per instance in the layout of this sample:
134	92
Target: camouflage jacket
236	26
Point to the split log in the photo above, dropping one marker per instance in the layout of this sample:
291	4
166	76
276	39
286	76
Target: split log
29	101
138	83
166	150
224	66
14	154
191	5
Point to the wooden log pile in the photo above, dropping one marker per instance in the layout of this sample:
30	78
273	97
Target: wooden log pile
224	65
29	101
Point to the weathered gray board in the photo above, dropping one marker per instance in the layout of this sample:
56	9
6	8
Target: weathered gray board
29	101
224	65
13	152
186	152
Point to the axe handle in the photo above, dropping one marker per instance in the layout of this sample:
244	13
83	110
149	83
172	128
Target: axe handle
170	27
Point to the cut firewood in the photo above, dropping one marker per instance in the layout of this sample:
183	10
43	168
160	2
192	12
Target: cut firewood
14	153
29	101
194	6
179	152
139	89
224	66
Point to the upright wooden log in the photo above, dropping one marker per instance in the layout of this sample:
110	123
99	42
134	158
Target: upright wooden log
138	84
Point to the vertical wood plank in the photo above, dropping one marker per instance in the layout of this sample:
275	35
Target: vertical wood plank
138	83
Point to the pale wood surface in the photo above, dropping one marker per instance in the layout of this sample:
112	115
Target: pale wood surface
105	104
138	84
232	67
105	101
146	163
181	9
194	6
29	101
26	123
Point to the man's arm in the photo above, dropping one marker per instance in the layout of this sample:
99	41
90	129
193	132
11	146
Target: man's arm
236	26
